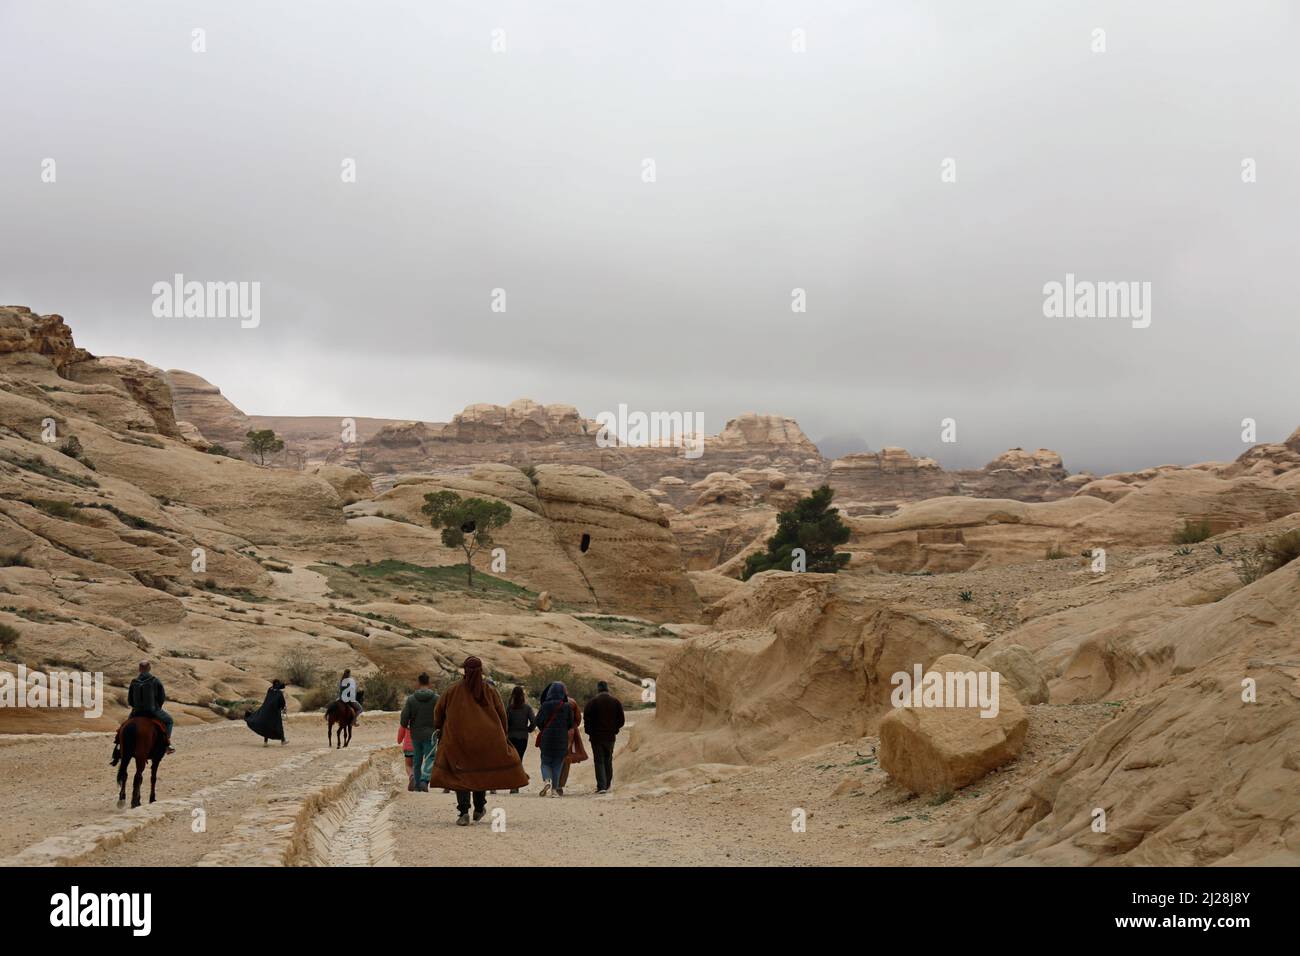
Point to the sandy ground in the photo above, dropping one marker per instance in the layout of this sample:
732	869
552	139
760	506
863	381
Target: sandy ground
55	785
61	787
724	816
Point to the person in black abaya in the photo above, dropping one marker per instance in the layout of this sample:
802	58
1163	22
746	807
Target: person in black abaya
267	721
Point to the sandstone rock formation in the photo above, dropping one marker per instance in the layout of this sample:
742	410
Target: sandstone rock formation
587	538
1020	672
522	420
25	336
201	403
1025	476
791	661
752	430
941	749
1197	771
884	479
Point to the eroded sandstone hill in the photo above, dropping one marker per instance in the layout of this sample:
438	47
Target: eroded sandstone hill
120	537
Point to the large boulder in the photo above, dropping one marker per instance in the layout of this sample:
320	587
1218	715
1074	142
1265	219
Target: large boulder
350	485
931	749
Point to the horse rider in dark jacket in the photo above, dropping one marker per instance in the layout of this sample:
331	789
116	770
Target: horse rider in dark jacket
146	697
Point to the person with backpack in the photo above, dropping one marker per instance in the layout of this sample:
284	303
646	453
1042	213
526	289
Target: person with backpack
418	718
555	724
603	716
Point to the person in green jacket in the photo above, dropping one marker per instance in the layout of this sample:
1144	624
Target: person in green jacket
417	717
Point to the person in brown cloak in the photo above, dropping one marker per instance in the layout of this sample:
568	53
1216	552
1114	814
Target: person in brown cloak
474	754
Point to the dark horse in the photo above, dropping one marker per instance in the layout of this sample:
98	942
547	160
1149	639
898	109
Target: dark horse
340	712
144	740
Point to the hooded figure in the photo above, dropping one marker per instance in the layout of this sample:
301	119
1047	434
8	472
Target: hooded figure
267	721
473	751
555	723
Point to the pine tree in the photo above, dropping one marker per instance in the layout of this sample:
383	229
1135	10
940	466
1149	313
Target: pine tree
810	525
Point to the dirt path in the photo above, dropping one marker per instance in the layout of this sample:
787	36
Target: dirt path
304	804
60	801
719	816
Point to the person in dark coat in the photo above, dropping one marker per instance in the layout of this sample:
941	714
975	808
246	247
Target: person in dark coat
520	721
474	755
268	720
554	723
146	697
603	716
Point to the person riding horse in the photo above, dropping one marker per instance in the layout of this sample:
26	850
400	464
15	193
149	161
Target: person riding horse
348	693
146	697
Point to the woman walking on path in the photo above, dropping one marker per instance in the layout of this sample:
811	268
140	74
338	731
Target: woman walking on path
474	754
520	722
555	727
268	720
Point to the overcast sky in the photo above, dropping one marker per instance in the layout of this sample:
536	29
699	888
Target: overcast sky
522	170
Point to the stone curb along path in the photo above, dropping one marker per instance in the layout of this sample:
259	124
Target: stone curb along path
82	841
297	827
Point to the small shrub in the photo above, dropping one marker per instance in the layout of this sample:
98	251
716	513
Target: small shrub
966	596
10	559
1054	553
1184	551
1191	533
55	509
1267	556
581	688
299	667
1250	564
8	637
385	690
1282	550
321	695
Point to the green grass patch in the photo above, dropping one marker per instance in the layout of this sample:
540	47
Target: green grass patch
39	467
380	580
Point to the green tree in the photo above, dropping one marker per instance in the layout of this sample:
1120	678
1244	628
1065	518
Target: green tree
810	525
262	443
466	523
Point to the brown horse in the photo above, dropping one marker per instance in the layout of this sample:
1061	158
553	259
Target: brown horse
143	740
340	712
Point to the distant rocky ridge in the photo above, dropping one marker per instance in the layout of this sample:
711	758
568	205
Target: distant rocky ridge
526	433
